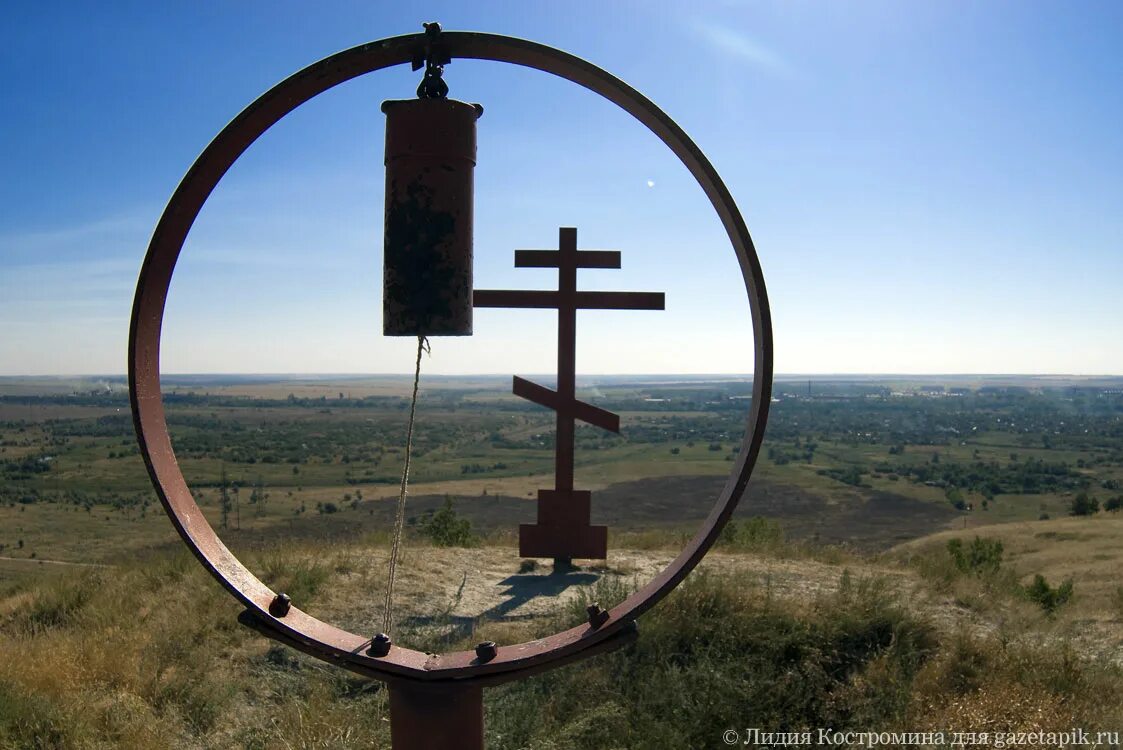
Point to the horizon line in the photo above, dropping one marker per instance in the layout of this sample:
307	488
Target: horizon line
748	376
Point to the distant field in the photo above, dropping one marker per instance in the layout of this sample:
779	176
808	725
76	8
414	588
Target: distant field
861	461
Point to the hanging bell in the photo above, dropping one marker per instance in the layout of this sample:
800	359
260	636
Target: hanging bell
427	260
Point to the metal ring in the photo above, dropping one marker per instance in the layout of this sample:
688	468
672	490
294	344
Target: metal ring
297	627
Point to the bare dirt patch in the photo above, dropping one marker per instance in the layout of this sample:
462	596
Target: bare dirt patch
869	520
455	592
485	593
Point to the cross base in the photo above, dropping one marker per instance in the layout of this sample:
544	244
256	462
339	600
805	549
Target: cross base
565	542
563	529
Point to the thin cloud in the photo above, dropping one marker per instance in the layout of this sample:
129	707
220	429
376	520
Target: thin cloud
737	44
99	238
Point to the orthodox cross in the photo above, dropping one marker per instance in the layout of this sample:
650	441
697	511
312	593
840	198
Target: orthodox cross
563	530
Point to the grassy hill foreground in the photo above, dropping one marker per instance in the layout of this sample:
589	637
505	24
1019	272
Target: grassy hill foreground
148	654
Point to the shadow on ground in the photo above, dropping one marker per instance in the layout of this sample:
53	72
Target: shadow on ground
520	589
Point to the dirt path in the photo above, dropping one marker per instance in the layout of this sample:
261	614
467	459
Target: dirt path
461	589
41	561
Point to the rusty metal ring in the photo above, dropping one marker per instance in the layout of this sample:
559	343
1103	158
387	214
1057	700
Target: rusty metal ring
297	627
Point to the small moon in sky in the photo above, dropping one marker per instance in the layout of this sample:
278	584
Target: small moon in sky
651	183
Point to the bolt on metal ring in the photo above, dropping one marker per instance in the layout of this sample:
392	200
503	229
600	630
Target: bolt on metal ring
597	616
486	651
380	645
280	605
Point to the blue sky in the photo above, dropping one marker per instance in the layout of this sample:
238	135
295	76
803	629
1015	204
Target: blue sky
933	187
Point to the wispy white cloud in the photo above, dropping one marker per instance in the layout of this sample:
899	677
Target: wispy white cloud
732	42
109	237
52	293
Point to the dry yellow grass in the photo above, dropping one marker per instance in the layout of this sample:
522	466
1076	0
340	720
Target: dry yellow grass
1088	550
149	655
1084	550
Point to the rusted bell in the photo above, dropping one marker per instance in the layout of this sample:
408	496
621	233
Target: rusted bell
427	260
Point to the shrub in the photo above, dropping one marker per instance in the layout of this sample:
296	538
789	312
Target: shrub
61	603
445	528
29	719
300	578
1048	597
756	533
1083	505
983	557
851	475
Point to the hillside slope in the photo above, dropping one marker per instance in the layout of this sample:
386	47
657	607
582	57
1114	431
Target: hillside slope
149	655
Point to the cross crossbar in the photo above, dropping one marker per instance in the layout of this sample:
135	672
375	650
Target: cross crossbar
551	258
533	298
